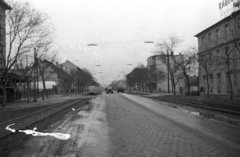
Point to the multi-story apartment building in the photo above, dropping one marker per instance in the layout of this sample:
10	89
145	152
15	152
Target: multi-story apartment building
3	7
157	67
219	56
154	63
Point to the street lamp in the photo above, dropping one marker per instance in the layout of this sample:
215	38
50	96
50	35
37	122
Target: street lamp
92	44
148	42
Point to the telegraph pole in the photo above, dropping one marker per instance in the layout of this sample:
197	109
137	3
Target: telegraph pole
168	64
35	76
37	66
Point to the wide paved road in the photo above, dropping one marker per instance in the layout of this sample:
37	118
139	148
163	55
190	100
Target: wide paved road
122	125
139	127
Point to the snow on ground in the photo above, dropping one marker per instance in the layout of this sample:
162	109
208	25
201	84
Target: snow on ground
87	128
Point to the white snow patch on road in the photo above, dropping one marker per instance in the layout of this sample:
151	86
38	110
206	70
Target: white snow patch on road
88	130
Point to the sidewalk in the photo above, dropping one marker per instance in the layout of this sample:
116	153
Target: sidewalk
52	99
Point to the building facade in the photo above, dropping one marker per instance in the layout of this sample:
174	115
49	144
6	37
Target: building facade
219	56
160	75
69	67
3	7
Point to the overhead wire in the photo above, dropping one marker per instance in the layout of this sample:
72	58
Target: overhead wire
66	52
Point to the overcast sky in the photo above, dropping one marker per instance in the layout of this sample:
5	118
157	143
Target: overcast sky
120	27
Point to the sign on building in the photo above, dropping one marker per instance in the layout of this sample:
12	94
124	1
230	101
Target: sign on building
228	6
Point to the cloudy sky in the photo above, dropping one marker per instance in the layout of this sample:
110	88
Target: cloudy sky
120	27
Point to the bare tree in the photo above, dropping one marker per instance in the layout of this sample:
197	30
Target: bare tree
25	28
141	76
45	65
166	46
226	57
209	66
186	63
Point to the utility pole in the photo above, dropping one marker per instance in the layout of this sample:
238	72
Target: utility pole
37	66
35	76
168	64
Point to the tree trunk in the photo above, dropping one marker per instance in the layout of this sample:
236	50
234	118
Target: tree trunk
4	94
230	85
44	88
28	92
24	91
173	87
207	86
43	94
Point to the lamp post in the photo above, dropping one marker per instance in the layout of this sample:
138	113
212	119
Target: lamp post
168	64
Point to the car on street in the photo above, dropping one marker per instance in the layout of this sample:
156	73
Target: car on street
120	89
109	90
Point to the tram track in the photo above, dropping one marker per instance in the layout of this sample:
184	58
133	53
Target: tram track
235	110
26	120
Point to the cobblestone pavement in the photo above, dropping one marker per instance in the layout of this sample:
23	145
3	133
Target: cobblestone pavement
137	131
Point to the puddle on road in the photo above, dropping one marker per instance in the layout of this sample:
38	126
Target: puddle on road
225	118
215	116
194	112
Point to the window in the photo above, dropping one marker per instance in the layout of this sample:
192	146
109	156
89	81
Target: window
226	49
217	56
234	79
1	35
217	34
226	29
211	81
203	41
219	84
1	63
209	37
238	24
201	58
227	80
204	81
210	57
238	79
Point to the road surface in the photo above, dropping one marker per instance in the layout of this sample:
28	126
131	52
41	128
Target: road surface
127	125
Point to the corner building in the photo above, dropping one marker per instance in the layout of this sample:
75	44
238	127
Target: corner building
3	7
219	45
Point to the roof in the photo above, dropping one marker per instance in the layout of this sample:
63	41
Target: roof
5	5
221	21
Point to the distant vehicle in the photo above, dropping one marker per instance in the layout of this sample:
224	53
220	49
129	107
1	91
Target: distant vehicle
120	89
94	90
109	90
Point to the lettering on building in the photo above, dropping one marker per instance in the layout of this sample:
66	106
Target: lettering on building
224	3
